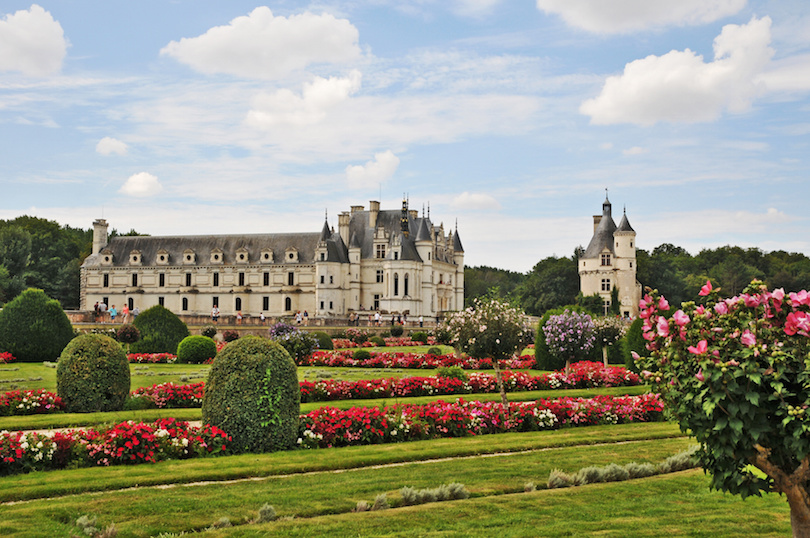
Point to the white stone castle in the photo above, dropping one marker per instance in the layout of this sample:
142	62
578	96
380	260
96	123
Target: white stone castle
610	262
389	261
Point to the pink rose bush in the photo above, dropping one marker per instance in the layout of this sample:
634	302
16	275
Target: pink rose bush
123	444
344	358
152	358
736	373
328	426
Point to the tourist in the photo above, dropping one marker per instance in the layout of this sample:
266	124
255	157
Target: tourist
95	311
421	321
135	312
215	314
125	314
113	313
298	317
262	318
306	317
239	317
102	310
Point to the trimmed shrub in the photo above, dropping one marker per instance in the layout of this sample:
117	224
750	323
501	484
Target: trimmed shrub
559	479
93	375
209	330
196	349
640	470
34	328
299	344
377	341
452	372
230	335
324	340
397	330
128	334
361	355
614	473
419	336
252	393
161	331
634	341
434	351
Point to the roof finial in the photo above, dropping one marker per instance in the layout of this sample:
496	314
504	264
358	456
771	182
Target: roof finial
606	193
325	214
428	209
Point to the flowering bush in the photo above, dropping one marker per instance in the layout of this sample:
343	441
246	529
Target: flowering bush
125	443
172	395
570	336
30	402
6	357
358	336
152	358
327	426
609	330
736	373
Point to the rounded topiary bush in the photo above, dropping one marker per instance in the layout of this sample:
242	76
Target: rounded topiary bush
252	393
397	331
420	336
361	355
160	329
436	351
377	341
34	328
209	330
196	349
324	340
93	375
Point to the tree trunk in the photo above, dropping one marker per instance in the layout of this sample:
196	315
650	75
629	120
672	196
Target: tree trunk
799	511
605	355
501	388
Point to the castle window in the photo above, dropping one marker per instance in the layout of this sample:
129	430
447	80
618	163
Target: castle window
396	255
238	303
605	284
322	304
266	280
323	256
605	259
376	301
287	304
241	280
322	279
396	284
330	305
188	281
379	275
405	285
265	303
379	251
130	303
162	279
331	279
215	302
216	279
134	280
185	304
290	279
106	283
161	301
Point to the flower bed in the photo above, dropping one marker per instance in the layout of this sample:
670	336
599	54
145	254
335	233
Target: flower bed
328	426
125	443
6	357
387	359
152	358
171	395
391	341
30	402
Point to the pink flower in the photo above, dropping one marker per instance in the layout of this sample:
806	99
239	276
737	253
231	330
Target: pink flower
779	294
700	348
699	376
748	339
797	322
721	308
801	298
662	303
706	290
680	318
635	355
663	326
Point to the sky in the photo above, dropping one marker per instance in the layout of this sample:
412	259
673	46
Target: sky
507	119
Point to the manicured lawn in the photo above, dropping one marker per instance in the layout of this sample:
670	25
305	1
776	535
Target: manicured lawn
310	492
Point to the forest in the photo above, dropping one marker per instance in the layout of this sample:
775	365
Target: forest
40	253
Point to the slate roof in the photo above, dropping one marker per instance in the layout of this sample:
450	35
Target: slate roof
603	235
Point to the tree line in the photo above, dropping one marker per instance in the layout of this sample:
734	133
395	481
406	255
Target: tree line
40	253
677	274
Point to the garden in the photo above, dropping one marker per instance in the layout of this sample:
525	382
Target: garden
475	428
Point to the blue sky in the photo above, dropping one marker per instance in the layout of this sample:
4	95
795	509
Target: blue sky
508	117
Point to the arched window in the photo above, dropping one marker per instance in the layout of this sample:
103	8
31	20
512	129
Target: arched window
405	285
287	304
238	303
130	303
396	284
185	303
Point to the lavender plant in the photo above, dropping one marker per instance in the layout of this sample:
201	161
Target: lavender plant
570	336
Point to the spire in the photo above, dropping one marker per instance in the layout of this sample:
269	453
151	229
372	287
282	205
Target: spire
457	241
423	233
606	207
326	232
403	219
624	225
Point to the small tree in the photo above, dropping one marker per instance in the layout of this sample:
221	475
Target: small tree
736	373
489	328
570	336
609	330
128	334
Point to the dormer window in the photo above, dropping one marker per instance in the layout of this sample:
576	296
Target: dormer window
135	257
379	251
242	255
217	256
266	255
605	259
189	257
106	257
291	255
162	257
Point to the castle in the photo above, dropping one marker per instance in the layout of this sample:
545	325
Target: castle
609	262
387	261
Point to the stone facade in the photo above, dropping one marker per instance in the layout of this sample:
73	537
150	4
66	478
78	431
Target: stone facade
391	261
610	262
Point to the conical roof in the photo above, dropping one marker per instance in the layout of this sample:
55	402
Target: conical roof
457	242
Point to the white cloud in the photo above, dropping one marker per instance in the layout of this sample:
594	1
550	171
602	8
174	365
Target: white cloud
374	172
471	200
474	8
790	74
286	108
635	150
681	87
141	185
108	146
620	16
32	43
262	45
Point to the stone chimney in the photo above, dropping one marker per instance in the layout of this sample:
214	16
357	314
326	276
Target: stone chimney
373	211
343	226
99	235
356	208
